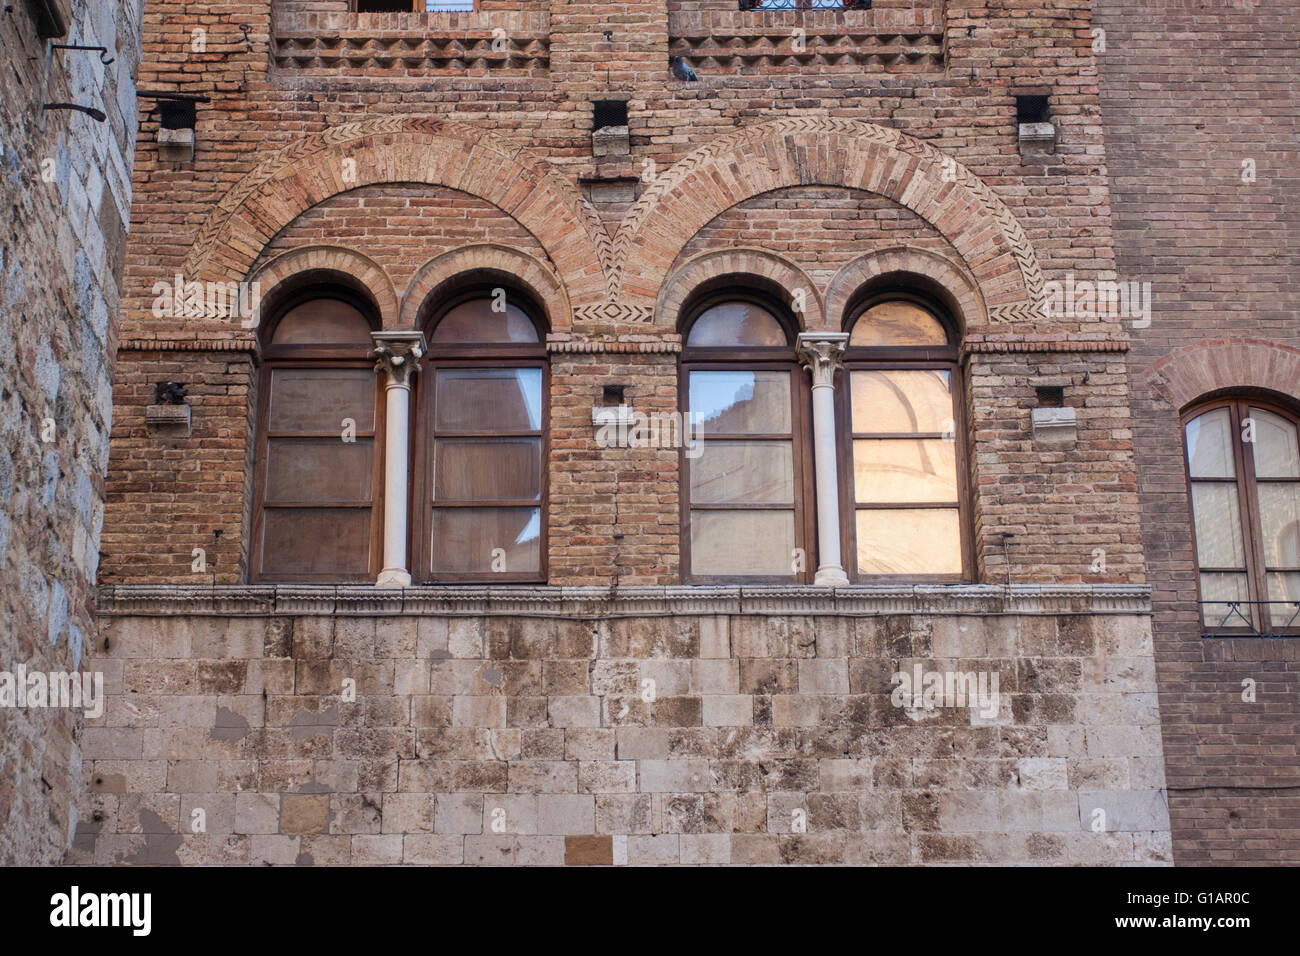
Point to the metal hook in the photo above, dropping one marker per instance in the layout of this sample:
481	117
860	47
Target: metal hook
104	58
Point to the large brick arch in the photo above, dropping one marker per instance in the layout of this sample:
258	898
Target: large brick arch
404	149
1190	373
821	151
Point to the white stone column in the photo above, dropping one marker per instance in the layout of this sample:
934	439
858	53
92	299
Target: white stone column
822	354
398	356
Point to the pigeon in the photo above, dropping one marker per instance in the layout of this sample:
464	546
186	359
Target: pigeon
682	70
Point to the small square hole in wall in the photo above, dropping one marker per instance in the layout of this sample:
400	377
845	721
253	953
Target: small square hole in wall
612	395
608	113
1050	396
1032	109
386	6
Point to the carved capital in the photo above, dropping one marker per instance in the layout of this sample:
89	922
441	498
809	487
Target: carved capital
398	355
822	353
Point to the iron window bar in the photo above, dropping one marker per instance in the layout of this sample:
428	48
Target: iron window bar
1247	627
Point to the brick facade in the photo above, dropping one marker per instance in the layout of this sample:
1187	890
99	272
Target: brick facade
1185	107
612	713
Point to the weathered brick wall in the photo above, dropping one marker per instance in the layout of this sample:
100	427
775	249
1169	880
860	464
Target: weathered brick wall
485	739
1190	92
65	191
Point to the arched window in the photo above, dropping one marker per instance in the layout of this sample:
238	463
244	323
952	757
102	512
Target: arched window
1243	472
318	470
902	433
745	513
482	462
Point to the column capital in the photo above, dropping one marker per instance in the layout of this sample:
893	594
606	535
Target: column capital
398	354
822	353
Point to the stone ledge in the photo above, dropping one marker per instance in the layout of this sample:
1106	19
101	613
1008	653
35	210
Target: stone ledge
594	602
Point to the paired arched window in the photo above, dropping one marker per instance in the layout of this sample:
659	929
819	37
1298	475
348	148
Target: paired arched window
482	461
747	504
1243	471
318	467
901	435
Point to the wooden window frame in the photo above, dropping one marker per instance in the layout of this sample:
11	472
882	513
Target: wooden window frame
307	357
1252	531
470	356
898	359
755	359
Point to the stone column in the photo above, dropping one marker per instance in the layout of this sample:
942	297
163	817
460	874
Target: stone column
398	356
822	353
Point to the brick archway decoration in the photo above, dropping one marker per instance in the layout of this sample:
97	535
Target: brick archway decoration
759	263
822	151
413	150
956	283
321	263
487	259
1190	373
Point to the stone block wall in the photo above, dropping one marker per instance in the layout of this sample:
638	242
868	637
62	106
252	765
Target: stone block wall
739	728
65	191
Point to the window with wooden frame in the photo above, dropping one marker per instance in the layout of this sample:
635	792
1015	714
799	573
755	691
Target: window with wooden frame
318	465
747	509
902	434
481	464
1243	471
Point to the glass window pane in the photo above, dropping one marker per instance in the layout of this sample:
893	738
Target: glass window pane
299	541
1222	588
1209	445
1277	454
741	402
905	470
465	539
742	543
488	399
1279	520
323	322
917	400
733	472
1283	586
909	541
475	321
319	399
492	469
736	323
1218	525
303	470
897	323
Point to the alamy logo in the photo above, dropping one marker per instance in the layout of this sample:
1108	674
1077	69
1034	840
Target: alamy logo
1104	300
622	427
927	690
85	691
75	909
208	300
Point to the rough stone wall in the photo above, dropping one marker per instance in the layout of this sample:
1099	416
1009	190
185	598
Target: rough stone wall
1190	93
66	197
763	738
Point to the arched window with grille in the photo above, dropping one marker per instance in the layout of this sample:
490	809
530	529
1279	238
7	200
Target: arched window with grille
481	461
747	502
903	437
1243	471
318	468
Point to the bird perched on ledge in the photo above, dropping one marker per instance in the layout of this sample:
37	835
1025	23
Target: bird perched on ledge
681	69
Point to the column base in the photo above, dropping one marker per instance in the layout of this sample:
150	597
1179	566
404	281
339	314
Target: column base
831	576
394	578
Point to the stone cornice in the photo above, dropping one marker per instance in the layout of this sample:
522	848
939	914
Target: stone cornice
596	602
